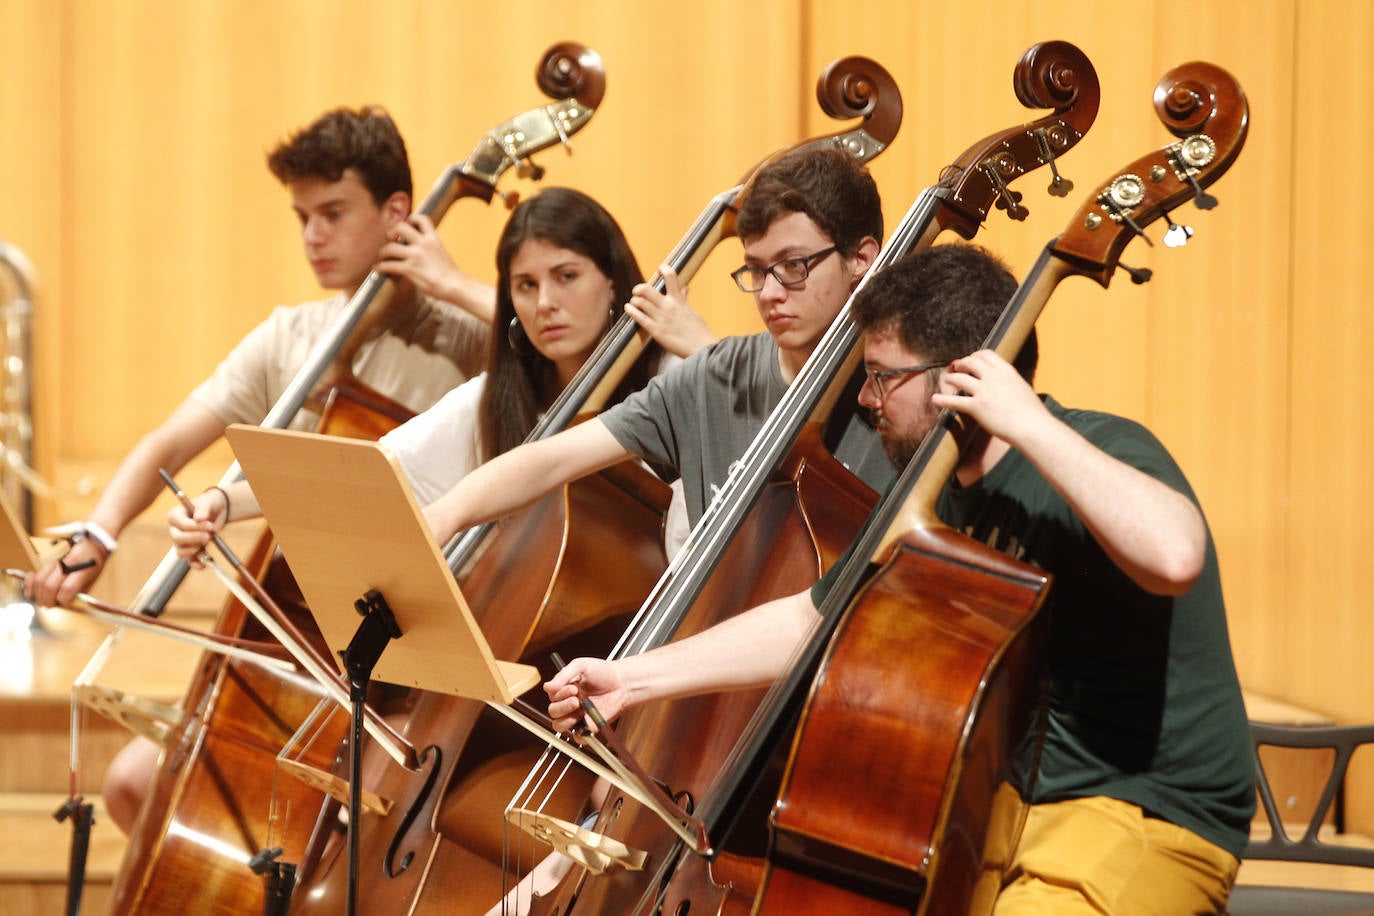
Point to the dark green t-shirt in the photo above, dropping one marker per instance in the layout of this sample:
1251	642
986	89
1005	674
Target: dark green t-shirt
1145	704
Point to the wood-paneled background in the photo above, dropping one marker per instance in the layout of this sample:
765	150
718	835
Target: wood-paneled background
132	175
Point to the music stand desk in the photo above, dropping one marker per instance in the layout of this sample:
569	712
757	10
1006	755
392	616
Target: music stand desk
348	523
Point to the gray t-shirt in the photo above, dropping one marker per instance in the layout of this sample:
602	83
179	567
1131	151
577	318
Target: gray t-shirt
698	418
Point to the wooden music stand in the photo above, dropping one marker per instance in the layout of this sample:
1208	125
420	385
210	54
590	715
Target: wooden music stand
349	525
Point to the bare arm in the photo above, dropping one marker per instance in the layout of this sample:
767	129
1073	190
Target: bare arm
418	254
748	650
522	476
1155	534
135	484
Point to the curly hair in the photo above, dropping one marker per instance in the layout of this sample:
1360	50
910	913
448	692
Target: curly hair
942	303
365	140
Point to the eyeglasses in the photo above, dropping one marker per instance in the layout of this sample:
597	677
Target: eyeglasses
788	272
877	377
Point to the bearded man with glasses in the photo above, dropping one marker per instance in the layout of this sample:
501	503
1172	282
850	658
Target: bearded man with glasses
1142	799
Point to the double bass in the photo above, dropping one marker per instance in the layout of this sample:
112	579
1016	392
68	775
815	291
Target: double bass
207	815
938	648
786	513
535	583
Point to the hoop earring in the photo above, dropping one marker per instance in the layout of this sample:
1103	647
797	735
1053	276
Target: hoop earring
516	337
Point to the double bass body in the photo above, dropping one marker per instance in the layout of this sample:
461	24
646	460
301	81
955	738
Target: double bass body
541	584
205	815
218	798
801	524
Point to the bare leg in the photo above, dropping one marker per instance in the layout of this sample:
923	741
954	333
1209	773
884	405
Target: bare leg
543	878
126	781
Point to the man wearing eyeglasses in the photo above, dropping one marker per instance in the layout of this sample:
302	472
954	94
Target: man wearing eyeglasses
811	225
1145	786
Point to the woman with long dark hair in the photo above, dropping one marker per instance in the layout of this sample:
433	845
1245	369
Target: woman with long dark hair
564	272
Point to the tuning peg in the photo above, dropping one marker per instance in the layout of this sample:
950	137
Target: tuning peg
1191	154
509	198
1177	236
1010	201
529	169
1138	275
1059	186
1007	199
1201	198
558	125
1124	192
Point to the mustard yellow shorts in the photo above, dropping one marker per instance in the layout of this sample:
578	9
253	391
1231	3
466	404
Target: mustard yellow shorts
1100	855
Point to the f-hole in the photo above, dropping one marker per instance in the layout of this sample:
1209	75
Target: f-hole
392	869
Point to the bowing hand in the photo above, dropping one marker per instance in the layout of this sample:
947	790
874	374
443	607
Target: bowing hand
191	531
58	582
593	679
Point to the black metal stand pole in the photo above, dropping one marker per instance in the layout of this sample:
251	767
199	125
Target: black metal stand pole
82	814
377	629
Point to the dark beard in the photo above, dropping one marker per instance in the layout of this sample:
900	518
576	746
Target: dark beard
900	450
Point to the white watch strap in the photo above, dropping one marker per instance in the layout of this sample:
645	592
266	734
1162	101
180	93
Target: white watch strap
88	529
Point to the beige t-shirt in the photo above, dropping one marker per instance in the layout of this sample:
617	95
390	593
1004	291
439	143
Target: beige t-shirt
437	349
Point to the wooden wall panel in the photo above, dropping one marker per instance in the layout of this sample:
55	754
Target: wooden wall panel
32	203
134	178
1327	607
1219	328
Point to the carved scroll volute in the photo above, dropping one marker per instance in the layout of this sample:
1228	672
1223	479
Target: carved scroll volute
848	87
574	77
1051	74
858	87
572	71
1205	107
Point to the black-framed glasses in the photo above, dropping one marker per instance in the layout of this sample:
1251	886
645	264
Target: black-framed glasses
788	272
878	377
